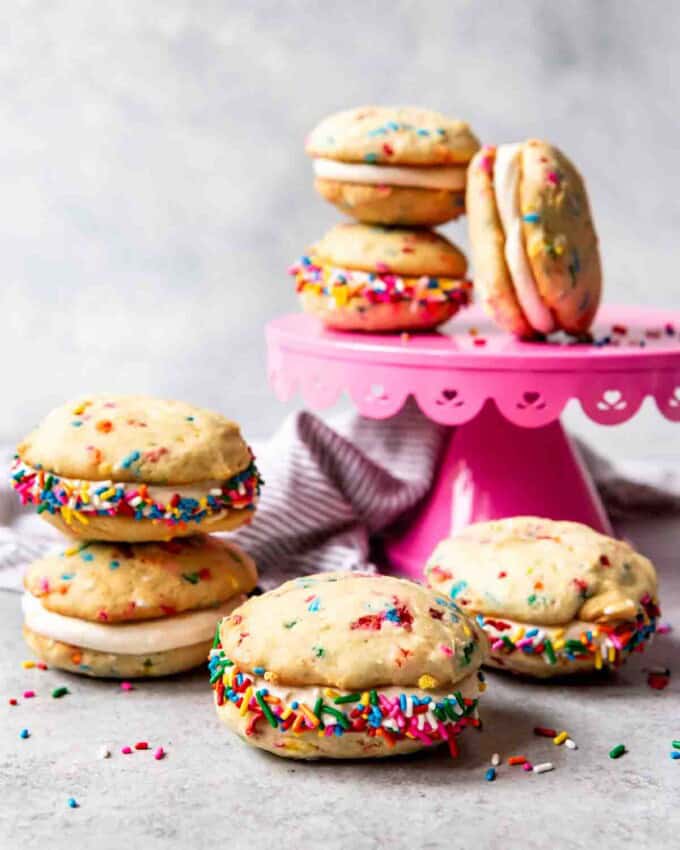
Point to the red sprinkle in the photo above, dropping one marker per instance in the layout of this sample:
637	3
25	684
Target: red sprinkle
142	745
545	732
12	701
514	760
478	340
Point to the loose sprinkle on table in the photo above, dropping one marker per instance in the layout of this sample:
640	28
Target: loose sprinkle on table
490	775
544	767
675	755
675	744
514	760
126	686
73	803
495	759
29	694
58	693
528	766
24	734
142	745
561	738
545	732
617	751
570	744
104	752
126	751
13	701
159	754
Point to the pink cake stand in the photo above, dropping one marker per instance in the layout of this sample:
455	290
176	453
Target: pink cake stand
508	453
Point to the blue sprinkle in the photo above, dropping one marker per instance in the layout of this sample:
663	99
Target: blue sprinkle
338	730
458	588
531	633
402	702
114	565
480	620
393	125
490	775
295	705
531	217
314	604
675	754
423	132
76	423
67	576
127	462
371	157
24	734
87	556
258	671
73	803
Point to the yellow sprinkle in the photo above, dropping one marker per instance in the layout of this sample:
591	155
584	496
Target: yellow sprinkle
558	633
558	645
467	630
340	295
427	682
330	693
246	700
28	665
518	635
309	714
559	244
598	660
72	550
66	513
203	502
611	655
81	518
481	687
286	713
561	738
107	494
534	247
365	699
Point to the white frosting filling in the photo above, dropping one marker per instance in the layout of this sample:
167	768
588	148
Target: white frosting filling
138	638
506	177
420	177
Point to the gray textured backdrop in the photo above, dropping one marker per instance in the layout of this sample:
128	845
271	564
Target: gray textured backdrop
154	187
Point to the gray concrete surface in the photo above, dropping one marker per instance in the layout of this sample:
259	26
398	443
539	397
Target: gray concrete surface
211	790
154	187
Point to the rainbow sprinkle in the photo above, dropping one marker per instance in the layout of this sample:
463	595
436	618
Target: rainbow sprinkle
312	275
371	713
607	645
80	499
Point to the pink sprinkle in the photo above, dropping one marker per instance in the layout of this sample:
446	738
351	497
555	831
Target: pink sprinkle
664	629
159	754
44	585
497	644
126	686
29	694
126	751
528	766
446	649
41	665
478	340
553	178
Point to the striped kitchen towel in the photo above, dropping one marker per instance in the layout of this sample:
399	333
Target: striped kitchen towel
333	487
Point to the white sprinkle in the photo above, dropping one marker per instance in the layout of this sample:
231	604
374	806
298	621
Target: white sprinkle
495	759
570	745
543	768
104	752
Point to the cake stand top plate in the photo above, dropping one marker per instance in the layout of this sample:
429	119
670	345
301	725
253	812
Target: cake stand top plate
452	373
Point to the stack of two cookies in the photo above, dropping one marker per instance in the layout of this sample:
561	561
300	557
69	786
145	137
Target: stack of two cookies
399	172
134	482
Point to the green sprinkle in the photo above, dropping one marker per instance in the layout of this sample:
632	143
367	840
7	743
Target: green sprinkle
289	624
216	639
373	697
273	722
319	651
339	716
531	599
617	752
318	709
57	693
42	507
217	675
192	578
549	651
674	744
347	698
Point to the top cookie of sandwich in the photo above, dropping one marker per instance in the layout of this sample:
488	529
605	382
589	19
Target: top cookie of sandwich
541	571
136	438
353	631
392	135
124	582
383	250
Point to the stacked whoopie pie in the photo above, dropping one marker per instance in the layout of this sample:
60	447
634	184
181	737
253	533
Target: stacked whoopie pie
399	172
134	482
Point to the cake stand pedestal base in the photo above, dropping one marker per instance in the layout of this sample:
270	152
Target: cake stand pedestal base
491	469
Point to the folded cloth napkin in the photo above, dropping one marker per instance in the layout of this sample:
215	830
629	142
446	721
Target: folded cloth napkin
333	488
